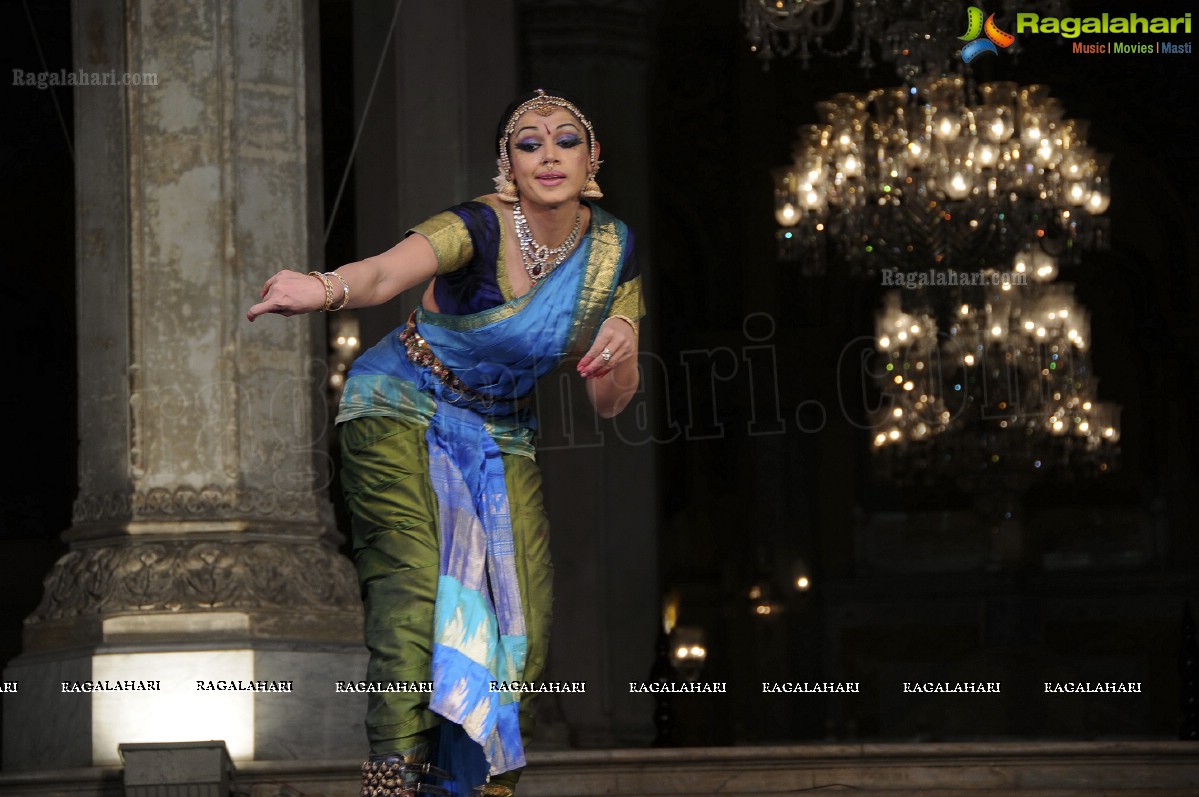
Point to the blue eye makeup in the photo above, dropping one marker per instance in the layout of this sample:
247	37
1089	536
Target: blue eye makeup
528	145
569	142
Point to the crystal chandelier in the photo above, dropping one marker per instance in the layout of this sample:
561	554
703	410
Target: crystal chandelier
969	201
915	36
988	385
926	175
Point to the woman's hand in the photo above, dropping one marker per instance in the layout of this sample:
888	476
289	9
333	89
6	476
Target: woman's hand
290	293
618	339
616	343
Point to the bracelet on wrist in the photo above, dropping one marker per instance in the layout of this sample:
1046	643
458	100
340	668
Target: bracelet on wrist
328	288
627	320
345	290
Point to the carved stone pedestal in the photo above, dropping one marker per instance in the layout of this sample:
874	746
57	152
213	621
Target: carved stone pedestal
265	703
238	637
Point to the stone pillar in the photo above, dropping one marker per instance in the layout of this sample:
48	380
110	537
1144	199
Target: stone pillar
203	548
600	476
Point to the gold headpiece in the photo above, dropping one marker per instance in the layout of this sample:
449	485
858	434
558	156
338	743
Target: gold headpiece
543	104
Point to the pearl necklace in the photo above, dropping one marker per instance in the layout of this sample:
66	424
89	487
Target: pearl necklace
540	259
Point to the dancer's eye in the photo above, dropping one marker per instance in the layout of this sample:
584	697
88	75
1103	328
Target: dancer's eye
529	145
569	142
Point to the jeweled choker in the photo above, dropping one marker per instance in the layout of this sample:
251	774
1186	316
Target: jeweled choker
538	258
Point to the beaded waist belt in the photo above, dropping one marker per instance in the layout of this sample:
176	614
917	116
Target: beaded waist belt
420	354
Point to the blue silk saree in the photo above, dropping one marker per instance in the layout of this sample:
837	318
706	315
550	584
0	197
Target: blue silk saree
494	356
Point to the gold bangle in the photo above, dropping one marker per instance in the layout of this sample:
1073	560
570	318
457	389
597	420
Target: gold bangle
328	288
345	290
628	321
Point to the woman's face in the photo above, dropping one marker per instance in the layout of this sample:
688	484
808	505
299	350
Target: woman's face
549	156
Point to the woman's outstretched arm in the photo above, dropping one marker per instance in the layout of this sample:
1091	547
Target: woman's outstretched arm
374	280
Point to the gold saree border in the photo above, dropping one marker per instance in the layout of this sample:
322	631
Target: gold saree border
603	269
450	239
628	301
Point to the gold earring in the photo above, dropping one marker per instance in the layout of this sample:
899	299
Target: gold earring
504	187
507	191
591	189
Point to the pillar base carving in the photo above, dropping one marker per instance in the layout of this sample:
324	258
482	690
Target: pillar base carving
188	637
162	589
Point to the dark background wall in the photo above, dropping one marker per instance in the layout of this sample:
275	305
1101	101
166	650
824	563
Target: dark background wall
904	588
904	585
37	216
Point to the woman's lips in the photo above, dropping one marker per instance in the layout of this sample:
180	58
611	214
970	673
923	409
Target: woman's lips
551	178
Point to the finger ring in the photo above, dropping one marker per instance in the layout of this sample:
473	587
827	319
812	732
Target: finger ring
606	354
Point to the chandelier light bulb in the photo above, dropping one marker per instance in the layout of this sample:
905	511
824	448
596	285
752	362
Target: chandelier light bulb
958	186
1031	135
786	200
1046	152
811	198
1078	193
948	127
787	215
811	172
1098	201
1046	272
1078	164
986	156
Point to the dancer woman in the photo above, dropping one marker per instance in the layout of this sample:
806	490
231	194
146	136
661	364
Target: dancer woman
449	532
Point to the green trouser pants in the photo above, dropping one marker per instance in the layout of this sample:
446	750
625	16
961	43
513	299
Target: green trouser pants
393	510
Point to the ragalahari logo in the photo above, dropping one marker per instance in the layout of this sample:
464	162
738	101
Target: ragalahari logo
974	27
